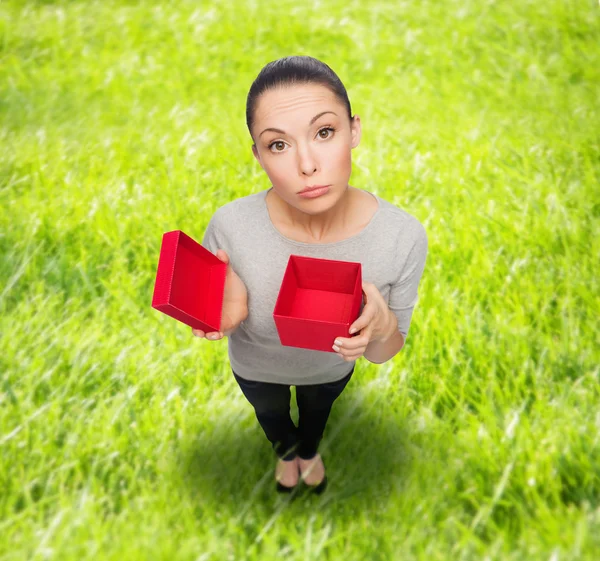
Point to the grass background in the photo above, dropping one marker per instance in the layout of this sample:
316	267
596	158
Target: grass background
122	436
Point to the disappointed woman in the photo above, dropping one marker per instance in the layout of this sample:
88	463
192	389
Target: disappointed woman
299	117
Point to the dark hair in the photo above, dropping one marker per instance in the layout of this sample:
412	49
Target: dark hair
292	70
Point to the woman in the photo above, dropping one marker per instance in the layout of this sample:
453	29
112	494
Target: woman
300	121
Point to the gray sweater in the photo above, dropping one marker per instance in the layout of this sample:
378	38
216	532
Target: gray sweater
392	250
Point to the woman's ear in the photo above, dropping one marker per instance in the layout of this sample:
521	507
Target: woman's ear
255	152
356	131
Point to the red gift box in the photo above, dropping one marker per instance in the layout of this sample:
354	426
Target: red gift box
318	300
190	282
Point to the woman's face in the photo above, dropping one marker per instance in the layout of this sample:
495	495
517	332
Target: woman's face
305	151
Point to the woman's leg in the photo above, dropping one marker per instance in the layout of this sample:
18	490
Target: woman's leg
314	405
271	404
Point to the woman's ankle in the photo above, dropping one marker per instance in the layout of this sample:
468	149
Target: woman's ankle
306	457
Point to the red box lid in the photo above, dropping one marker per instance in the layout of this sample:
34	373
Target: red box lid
190	282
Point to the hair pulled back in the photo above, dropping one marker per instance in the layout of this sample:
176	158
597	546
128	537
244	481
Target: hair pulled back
291	70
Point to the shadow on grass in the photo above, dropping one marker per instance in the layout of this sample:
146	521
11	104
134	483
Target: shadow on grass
363	448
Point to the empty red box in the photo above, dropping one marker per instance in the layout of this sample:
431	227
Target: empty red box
318	300
190	282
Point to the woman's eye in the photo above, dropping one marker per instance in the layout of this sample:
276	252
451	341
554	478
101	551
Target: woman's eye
326	129
274	143
331	129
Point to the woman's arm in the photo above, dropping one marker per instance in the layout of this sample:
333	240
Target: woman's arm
388	346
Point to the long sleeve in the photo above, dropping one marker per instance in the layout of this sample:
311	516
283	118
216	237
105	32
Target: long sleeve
212	237
404	292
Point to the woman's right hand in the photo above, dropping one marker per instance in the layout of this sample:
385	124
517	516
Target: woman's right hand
235	303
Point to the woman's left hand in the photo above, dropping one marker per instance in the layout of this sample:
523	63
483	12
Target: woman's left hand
375	322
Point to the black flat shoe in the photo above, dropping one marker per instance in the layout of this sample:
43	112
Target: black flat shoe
284	489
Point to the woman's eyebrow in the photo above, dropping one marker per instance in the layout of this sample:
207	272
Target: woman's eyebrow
311	122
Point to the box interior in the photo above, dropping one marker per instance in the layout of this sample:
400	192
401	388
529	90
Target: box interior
321	291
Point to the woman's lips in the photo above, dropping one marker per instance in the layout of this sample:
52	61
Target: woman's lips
314	193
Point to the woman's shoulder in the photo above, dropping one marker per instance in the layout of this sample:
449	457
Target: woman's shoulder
238	209
397	218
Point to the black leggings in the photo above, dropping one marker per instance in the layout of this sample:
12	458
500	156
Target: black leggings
271	404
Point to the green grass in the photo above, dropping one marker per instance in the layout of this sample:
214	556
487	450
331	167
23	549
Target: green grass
124	437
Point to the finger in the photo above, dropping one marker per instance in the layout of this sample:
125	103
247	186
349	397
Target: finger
222	255
198	332
352	352
214	335
356	354
350	358
352	344
366	288
364	320
359	325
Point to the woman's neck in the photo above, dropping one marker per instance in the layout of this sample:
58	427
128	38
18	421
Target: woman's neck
315	226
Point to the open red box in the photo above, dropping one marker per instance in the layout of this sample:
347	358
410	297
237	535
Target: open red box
190	282
318	300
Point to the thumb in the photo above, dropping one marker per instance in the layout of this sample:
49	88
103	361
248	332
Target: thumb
222	255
